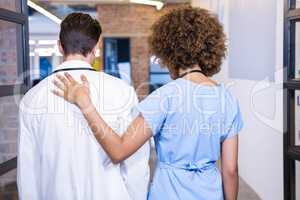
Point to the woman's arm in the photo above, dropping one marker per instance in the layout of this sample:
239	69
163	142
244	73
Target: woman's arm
118	148
229	162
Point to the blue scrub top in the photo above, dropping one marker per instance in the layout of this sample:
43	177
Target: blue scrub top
189	122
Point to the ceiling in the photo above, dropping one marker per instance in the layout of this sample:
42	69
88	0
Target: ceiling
63	7
94	2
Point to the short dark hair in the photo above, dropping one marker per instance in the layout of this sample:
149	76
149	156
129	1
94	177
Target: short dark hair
189	36
79	34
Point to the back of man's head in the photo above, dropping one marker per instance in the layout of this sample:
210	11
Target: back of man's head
79	34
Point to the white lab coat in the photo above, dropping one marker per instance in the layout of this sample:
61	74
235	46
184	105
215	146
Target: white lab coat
58	155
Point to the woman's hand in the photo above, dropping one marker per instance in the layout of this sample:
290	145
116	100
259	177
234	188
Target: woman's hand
73	91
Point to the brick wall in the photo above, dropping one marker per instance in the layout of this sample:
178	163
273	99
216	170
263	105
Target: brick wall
133	21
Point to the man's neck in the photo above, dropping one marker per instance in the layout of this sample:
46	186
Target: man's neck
77	57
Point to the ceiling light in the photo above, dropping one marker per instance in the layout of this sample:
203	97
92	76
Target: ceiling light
157	4
44	12
47	42
31	42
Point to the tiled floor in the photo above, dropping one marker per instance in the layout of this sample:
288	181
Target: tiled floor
8	192
246	193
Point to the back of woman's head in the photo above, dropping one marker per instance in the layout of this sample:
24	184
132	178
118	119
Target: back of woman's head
186	37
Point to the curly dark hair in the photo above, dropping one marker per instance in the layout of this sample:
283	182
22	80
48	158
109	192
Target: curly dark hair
186	37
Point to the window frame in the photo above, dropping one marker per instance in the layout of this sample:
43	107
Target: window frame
21	19
18	17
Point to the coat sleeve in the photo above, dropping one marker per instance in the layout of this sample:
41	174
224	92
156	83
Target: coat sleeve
28	158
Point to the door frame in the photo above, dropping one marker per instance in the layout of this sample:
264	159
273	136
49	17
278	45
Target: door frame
290	85
19	17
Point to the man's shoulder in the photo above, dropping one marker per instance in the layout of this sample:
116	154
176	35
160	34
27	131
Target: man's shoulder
39	88
115	86
115	94
114	81
36	97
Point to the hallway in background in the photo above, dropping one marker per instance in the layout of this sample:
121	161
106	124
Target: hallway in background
253	71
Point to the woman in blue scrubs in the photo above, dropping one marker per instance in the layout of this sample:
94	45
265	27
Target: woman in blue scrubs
193	119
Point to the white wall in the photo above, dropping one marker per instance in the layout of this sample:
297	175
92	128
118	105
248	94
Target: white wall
255	30
261	149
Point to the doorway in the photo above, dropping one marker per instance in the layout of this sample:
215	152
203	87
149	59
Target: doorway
117	58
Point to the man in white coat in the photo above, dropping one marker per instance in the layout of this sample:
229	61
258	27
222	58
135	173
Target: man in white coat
58	156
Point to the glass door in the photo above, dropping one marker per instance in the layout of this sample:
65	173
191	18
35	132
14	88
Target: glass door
292	100
14	81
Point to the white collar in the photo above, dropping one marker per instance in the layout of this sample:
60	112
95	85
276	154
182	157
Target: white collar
73	64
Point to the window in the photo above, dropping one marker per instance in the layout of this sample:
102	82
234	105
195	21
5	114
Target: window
294	103
14	79
13	52
12	5
10	60
117	58
297	49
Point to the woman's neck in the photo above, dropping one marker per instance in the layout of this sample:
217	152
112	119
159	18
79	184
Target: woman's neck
197	76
